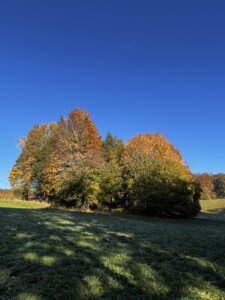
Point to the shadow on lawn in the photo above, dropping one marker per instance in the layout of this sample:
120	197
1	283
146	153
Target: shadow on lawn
213	214
51	254
217	210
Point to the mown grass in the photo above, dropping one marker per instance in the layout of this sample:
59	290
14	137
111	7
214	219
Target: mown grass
53	254
213	206
23	204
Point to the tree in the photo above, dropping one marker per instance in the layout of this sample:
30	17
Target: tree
94	183
80	187
113	148
157	180
76	140
206	183
154	145
111	184
219	185
26	172
67	162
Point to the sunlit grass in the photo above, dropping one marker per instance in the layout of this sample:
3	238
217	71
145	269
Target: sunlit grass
23	204
212	206
53	254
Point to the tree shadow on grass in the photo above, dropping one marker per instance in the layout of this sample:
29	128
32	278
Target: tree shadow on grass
213	214
219	210
52	254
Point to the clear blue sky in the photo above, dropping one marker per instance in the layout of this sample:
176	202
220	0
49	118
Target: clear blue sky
136	66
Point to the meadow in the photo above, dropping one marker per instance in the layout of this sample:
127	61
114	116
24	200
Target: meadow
213	206
48	253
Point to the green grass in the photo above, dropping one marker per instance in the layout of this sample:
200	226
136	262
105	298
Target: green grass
213	210
213	206
54	254
23	204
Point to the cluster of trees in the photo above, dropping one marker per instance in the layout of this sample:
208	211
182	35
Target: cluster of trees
68	163
6	194
212	186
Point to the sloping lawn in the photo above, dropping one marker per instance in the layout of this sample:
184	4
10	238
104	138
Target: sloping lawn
54	254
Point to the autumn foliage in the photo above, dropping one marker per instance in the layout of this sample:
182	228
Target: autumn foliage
6	194
152	145
68	163
158	181
76	140
212	186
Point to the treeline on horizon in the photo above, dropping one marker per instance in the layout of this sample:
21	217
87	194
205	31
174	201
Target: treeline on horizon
212	186
67	163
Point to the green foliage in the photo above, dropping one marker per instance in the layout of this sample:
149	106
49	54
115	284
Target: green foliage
219	185
80	187
161	188
112	172
26	176
67	162
111	178
113	148
41	159
91	186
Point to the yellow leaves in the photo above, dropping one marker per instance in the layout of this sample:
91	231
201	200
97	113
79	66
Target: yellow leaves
68	160
152	145
24	168
15	173
6	194
76	139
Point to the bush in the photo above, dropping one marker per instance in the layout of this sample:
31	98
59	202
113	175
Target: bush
111	184
91	186
80	187
161	188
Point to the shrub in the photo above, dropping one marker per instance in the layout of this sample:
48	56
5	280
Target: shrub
111	184
161	188
80	187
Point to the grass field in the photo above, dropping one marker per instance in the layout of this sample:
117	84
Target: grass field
213	206
54	254
213	210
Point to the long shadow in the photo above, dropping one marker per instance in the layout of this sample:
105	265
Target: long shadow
52	254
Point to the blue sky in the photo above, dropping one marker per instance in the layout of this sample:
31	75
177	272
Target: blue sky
136	66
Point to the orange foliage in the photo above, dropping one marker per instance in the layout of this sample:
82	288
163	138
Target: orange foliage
154	145
206	182
6	194
76	138
21	171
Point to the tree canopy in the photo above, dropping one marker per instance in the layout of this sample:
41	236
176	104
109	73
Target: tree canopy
68	163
